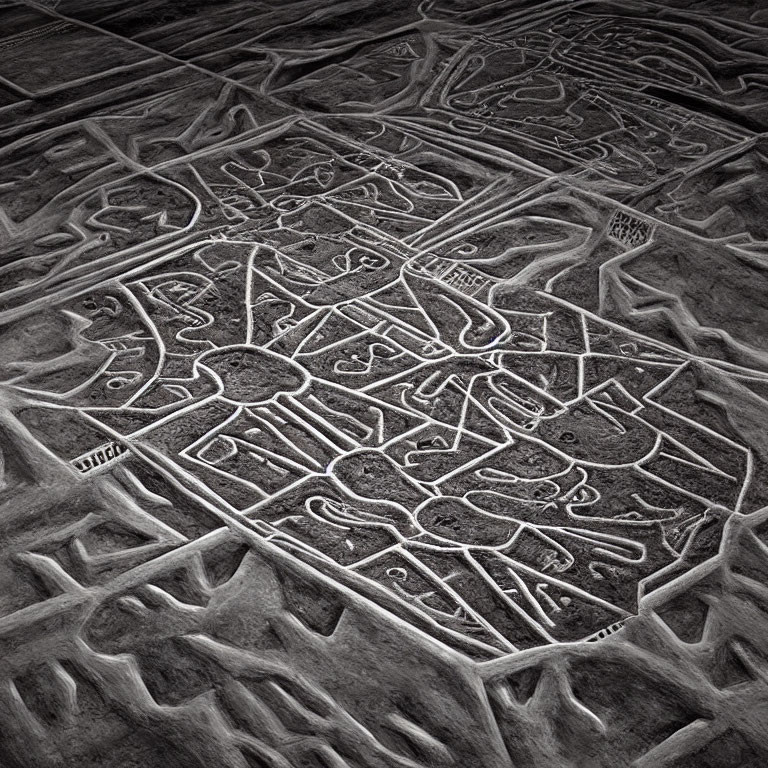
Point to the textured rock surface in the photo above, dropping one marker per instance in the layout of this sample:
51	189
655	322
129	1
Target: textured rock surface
383	384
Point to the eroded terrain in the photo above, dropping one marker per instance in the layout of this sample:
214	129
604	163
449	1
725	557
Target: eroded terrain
383	384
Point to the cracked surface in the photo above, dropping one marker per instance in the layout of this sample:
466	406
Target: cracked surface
383	384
